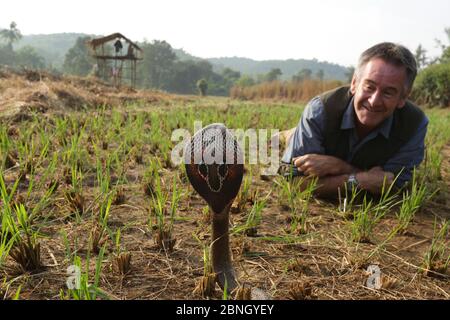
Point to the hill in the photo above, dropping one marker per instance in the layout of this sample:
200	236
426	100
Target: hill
288	67
53	48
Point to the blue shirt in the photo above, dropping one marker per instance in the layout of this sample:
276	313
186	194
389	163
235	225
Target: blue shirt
309	135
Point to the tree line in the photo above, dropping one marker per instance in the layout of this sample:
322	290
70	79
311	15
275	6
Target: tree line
432	86
163	69
26	56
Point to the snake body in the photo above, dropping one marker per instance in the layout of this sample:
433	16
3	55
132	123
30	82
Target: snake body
214	166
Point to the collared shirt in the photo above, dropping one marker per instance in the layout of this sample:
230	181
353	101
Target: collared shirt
309	136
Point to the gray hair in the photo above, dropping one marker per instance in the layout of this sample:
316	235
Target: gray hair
395	54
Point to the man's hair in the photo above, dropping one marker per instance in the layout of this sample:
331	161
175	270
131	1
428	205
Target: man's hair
395	54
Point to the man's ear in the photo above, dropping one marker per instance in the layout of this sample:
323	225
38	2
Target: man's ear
353	84
402	101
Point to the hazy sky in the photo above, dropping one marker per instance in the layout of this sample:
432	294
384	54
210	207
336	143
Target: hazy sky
336	31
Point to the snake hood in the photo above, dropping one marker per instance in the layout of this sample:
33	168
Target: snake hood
214	165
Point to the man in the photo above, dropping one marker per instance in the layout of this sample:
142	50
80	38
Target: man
364	135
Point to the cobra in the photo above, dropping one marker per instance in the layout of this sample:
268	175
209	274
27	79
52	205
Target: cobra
214	166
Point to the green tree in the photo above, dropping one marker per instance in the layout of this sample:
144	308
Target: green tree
231	75
304	74
273	74
162	69
320	74
220	84
444	47
202	86
11	35
431	87
187	73
445	57
78	61
245	81
28	57
349	74
156	70
7	56
421	57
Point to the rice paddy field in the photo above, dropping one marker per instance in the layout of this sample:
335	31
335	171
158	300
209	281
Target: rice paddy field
92	207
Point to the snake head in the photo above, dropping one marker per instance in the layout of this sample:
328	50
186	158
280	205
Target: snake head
214	165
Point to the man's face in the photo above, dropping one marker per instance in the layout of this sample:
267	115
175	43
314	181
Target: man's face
378	91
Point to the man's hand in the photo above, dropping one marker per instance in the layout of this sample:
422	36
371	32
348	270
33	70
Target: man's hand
373	179
321	165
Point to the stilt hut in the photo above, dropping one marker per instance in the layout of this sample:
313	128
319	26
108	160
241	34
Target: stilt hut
116	57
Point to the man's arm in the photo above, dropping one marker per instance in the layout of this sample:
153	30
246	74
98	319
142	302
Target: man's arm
408	157
333	172
372	181
322	165
328	186
308	135
306	152
306	145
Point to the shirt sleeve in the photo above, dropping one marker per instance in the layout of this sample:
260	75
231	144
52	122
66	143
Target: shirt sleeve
308	136
409	156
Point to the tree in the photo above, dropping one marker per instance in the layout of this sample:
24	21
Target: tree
445	49
349	73
28	57
421	57
273	74
431	86
162	69
320	74
245	81
202	86
157	68
187	73
304	74
78	61
220	84
231	75
11	35
445	57
6	56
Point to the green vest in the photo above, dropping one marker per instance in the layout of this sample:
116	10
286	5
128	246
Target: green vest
377	151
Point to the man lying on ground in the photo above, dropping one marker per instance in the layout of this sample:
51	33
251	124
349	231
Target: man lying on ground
364	135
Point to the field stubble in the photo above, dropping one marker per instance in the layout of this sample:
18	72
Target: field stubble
86	177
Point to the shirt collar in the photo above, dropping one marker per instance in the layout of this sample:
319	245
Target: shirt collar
348	121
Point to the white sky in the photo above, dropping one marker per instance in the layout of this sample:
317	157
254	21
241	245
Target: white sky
335	31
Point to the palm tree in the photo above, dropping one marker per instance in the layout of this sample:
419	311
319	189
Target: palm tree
11	35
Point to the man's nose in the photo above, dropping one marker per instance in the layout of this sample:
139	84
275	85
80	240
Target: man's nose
375	99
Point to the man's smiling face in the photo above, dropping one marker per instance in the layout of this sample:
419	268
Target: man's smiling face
378	90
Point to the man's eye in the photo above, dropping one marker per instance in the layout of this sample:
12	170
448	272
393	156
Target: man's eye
369	88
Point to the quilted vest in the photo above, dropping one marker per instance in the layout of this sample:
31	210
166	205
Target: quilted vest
378	150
